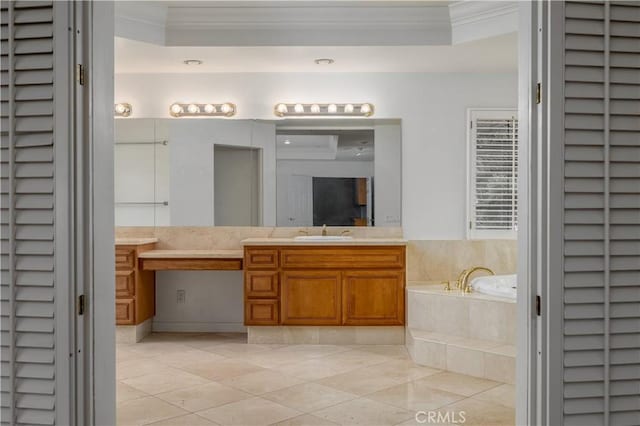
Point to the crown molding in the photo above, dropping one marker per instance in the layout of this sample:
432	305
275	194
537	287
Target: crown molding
473	20
317	23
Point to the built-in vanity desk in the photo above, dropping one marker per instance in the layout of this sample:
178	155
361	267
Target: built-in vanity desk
356	282
136	263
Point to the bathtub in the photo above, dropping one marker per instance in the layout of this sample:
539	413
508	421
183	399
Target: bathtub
496	285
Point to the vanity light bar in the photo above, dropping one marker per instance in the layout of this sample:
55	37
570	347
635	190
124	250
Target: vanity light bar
331	110
226	109
122	110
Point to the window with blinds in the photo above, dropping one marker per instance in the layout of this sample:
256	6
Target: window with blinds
493	174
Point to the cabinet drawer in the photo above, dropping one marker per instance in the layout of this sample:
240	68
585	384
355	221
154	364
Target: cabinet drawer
261	312
261	284
343	257
125	311
125	258
125	284
259	258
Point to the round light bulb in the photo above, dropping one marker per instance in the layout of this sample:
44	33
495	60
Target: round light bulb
315	108
332	109
120	108
298	108
287	142
209	109
365	108
348	109
193	109
282	109
176	109
226	108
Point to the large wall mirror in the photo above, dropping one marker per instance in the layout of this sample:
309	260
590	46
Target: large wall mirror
212	172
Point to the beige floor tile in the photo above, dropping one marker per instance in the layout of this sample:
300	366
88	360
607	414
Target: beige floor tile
187	357
415	396
403	369
311	351
220	370
314	369
255	411
459	383
363	381
482	413
127	393
392	351
309	397
262	382
152	349
356	358
364	411
137	367
145	410
188	420
166	380
233	349
503	395
305	420
201	397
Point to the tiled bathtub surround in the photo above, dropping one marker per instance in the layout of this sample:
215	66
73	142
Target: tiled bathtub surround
472	334
430	260
229	237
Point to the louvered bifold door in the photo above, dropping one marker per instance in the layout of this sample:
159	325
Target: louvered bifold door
602	213
33	347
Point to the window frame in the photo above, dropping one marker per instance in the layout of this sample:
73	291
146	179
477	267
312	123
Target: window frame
482	234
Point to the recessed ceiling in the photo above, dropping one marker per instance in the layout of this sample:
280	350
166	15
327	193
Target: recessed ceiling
495	54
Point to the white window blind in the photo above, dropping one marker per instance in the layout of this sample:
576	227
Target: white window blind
493	173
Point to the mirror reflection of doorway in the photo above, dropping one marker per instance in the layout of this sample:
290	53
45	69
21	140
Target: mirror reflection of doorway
236	186
341	201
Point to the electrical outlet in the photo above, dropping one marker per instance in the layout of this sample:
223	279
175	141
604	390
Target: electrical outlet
181	296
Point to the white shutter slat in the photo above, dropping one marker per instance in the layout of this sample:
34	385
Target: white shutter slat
602	263
30	395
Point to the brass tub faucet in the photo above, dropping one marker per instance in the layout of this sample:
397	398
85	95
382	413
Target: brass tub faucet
464	283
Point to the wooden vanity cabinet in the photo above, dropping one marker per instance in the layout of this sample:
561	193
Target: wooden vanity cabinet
324	285
135	288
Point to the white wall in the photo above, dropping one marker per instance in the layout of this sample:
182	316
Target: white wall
432	108
387	185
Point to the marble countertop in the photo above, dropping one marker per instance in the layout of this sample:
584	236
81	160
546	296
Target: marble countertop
135	241
351	242
192	254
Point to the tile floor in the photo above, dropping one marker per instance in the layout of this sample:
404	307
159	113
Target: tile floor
219	379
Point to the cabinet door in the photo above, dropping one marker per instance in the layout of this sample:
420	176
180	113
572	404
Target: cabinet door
373	297
125	284
311	298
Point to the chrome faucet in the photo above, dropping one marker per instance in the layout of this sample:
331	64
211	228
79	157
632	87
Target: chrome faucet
324	230
464	284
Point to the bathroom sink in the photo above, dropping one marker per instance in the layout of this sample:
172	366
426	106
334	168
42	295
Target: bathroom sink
323	238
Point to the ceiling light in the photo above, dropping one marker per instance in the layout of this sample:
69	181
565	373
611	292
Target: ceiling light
317	109
192	62
324	61
202	110
122	110
287	142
